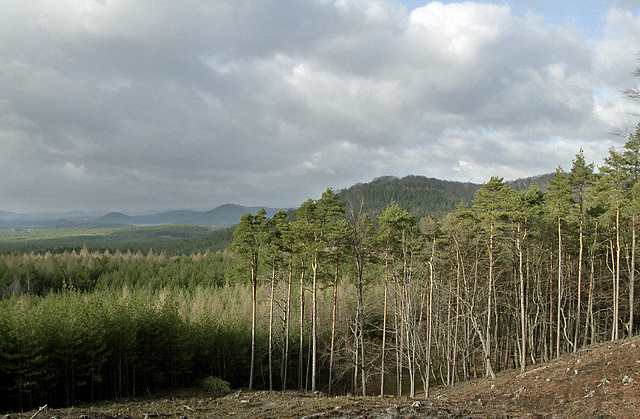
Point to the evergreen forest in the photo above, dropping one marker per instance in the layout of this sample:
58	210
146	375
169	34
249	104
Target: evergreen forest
338	296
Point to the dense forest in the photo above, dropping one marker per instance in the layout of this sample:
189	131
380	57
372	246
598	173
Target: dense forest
336	296
419	195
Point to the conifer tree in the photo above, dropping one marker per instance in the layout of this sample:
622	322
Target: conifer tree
559	201
392	236
284	239
611	187
360	245
581	177
318	220
248	238
523	207
631	154
490	204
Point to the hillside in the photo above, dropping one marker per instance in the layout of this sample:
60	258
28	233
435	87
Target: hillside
601	381
421	196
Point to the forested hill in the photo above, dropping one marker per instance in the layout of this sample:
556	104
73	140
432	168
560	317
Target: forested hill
421	196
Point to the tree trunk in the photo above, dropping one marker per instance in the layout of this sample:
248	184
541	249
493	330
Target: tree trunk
429	330
632	274
271	298
314	323
287	325
523	322
579	290
254	297
384	323
616	298
487	340
559	308
360	327
456	325
333	323
589	326
301	354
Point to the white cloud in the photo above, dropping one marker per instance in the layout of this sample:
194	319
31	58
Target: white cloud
75	172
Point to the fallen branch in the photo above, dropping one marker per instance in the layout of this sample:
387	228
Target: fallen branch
39	410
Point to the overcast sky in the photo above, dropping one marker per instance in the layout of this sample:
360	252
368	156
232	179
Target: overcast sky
162	104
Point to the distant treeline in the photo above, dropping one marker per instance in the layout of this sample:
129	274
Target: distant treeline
42	274
170	239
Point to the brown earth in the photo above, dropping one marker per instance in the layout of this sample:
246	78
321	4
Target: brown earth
601	381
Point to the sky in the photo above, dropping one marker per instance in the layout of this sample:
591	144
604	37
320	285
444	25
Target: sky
122	105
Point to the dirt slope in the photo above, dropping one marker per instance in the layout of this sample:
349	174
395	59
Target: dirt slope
598	382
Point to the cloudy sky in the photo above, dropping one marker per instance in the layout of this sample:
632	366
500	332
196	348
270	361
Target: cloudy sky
163	104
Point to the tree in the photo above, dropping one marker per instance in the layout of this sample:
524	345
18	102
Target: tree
248	238
284	239
631	155
392	237
490	204
612	190
360	245
581	177
317	220
274	247
337	239
430	229
524	206
559	201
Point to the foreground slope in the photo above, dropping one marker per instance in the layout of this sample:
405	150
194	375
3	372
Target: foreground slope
601	381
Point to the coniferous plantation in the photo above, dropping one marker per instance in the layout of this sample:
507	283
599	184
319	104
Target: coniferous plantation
336	296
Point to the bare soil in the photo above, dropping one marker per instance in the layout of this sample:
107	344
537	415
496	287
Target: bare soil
601	381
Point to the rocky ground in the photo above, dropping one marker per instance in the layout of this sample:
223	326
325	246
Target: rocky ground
598	382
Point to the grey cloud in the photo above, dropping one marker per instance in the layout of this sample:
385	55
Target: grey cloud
165	105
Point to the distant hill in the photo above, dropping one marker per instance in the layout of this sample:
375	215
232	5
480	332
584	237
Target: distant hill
115	218
421	196
223	216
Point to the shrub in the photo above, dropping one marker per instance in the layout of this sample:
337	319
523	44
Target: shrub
216	385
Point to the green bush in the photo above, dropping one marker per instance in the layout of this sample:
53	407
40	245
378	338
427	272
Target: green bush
216	385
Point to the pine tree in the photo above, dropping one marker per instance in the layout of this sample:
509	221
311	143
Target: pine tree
392	236
360	245
284	239
559	201
612	186
248	238
581	177
490	204
523	207
631	155
317	220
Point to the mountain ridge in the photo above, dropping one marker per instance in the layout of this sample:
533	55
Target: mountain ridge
225	215
419	195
